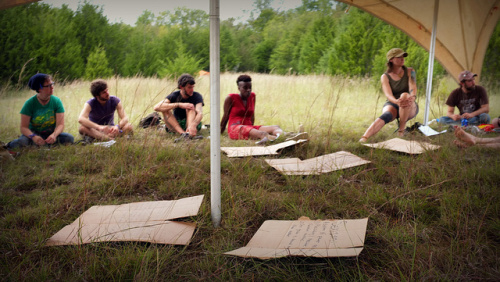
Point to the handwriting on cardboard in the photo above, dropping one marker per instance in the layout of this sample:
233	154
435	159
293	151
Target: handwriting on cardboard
322	238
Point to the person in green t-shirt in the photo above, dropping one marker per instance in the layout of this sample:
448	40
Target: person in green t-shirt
42	116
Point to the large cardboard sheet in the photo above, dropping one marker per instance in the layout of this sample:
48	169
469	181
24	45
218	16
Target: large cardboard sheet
319	238
322	164
141	221
405	146
238	152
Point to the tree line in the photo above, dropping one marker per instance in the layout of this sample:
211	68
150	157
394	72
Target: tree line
318	37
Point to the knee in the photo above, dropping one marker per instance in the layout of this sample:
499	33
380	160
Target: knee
496	122
404	96
83	130
66	138
127	127
386	117
484	118
22	141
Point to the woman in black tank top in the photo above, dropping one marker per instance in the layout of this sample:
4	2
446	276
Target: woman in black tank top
400	89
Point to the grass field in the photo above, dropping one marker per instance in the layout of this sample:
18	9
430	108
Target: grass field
434	216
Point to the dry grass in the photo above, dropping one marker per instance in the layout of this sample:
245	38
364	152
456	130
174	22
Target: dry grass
433	216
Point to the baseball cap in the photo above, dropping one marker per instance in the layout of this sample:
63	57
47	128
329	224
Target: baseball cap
396	52
466	75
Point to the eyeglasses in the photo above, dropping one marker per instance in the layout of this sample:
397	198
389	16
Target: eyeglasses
49	85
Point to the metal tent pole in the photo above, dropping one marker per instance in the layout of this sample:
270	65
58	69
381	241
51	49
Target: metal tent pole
430	69
215	187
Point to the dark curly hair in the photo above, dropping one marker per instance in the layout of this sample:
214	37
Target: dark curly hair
184	80
97	86
244	78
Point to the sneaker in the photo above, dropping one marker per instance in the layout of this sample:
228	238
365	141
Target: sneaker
183	137
88	140
298	136
197	137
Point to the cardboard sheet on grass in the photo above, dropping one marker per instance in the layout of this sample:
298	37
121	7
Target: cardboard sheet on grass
405	146
141	221
304	237
322	164
238	152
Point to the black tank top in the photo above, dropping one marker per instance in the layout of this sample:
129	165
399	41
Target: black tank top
399	87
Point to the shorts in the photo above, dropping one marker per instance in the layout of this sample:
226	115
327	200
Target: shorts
397	108
238	131
182	123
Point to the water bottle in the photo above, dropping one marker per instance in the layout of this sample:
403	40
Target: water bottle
465	122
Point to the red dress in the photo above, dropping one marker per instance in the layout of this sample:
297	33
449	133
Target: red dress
240	117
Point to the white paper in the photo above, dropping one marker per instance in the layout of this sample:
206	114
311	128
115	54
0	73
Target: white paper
428	131
105	144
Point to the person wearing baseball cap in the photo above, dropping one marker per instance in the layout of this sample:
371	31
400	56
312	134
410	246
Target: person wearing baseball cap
471	101
42	116
400	88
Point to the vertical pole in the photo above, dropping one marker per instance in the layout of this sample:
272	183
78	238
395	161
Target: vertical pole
215	187
430	68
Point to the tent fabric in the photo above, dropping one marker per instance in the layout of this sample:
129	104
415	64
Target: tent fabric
464	27
5	4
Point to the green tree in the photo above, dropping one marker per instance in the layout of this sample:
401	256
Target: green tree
182	63
97	65
491	65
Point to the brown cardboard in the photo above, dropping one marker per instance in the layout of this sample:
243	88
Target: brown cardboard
405	146
322	164
319	238
141	221
238	152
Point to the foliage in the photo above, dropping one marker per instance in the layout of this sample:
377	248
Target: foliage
97	65
182	63
316	38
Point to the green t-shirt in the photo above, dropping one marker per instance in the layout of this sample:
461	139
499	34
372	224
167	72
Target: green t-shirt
43	118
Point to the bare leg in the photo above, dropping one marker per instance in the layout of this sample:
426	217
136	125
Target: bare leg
378	124
405	114
96	134
496	122
171	122
258	134
190	115
273	130
470	139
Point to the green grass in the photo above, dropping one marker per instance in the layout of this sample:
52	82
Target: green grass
433	216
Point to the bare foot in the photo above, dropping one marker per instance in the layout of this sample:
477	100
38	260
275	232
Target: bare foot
460	144
464	136
363	139
401	133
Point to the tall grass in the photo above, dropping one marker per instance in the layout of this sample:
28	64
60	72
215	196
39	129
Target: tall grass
433	216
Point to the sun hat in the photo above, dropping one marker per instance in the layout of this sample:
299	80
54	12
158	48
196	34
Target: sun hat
396	52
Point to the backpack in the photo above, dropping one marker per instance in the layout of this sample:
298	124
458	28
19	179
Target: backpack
150	120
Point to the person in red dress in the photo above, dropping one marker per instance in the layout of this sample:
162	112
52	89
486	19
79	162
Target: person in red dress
239	113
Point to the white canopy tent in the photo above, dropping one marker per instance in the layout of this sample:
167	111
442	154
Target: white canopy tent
5	4
456	32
